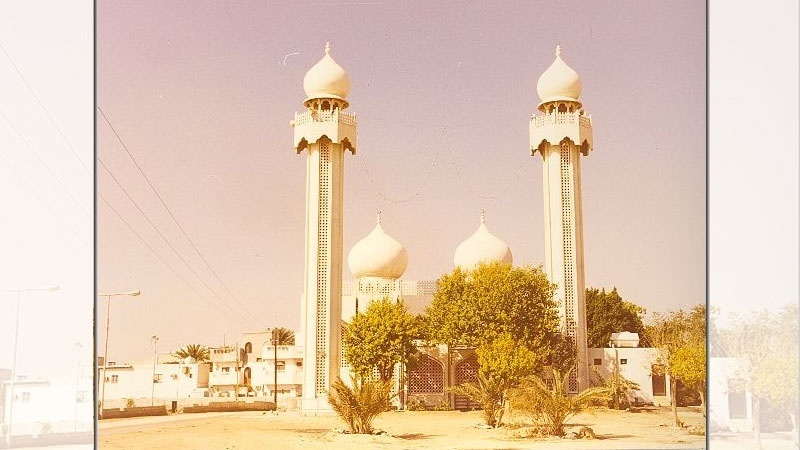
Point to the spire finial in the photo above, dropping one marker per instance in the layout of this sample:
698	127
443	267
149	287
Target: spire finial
483	216
379	216
327	48
558	49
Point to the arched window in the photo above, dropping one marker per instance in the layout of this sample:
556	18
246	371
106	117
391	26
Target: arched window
248	348
426	376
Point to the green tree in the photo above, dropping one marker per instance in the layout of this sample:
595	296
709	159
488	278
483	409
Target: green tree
475	307
197	352
675	334
502	365
766	345
546	401
380	338
606	313
285	336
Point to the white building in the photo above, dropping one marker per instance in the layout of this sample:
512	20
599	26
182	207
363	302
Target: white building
634	363
148	384
46	407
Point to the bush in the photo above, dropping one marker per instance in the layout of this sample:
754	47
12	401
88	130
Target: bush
443	405
546	401
417	404
488	392
360	404
130	403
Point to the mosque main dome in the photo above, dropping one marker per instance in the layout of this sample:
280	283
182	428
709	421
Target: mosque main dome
326	79
378	255
559	82
482	246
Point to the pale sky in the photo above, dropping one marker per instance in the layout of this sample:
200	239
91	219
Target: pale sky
46	88
202	93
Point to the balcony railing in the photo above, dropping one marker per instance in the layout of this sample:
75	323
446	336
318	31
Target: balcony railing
302	118
560	118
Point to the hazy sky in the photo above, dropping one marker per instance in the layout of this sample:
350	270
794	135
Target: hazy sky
46	184
201	94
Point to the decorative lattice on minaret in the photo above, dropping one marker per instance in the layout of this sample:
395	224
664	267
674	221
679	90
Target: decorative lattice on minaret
323	263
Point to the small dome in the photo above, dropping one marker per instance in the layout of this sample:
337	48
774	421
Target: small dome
559	82
326	79
482	246
378	255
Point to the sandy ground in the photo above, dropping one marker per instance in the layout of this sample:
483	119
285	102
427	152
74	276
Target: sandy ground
405	430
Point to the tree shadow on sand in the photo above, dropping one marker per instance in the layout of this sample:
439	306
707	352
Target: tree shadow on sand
412	436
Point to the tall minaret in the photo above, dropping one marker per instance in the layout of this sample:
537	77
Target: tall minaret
325	131
561	134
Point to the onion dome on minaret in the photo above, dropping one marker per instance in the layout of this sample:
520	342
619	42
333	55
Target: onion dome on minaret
326	80
559	82
378	255
481	247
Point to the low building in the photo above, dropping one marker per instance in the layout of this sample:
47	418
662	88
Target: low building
36	407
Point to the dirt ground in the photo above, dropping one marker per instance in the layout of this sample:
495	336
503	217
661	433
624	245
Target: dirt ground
404	430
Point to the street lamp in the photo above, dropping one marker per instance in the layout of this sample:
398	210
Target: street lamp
14	357
105	353
154	340
77	347
275	371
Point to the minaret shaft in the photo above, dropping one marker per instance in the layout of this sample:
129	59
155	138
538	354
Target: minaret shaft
323	275
561	175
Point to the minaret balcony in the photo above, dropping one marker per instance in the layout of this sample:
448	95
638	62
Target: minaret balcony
336	125
556	126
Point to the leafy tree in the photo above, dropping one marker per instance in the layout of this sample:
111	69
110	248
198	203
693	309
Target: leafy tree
358	405
606	313
546	401
689	367
285	336
380	338
672	334
502	365
475	307
766	344
197	352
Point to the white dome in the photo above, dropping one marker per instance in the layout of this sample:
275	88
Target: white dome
378	255
559	82
482	246
326	79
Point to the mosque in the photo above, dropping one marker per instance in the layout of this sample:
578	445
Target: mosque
560	134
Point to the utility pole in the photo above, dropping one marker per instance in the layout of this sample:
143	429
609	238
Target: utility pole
154	339
275	368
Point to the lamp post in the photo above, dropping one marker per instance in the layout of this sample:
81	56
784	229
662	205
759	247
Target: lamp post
105	353
14	357
154	340
275	368
77	347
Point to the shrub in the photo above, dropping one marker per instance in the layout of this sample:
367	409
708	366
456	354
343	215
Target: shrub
130	403
488	391
443	405
548	404
417	404
360	404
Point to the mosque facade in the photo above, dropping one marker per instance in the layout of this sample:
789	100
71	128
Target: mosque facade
560	134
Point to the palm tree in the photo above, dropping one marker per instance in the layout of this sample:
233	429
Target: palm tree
197	352
285	336
546	400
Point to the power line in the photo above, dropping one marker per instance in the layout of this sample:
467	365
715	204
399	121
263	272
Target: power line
49	170
164	238
47	113
232	314
164	204
44	202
